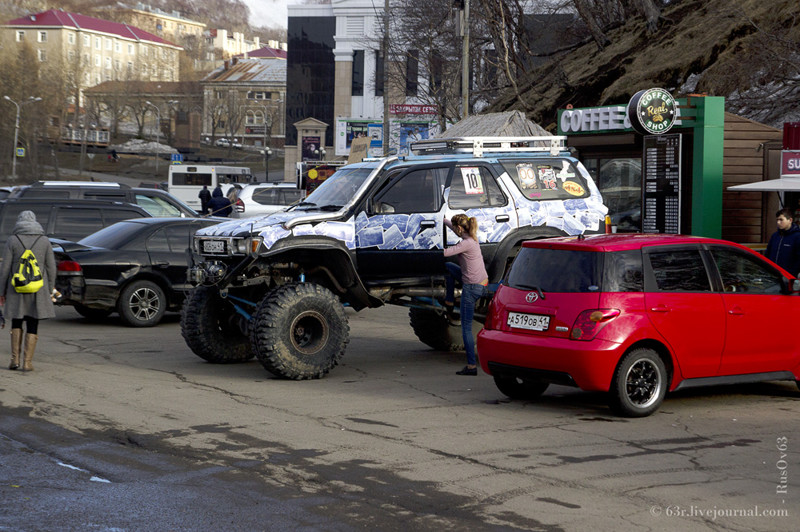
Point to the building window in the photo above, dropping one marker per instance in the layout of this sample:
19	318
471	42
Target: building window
144	68
20	36
358	73
130	66
378	73
108	63
87	41
251	118
71	38
97	43
130	49
71	55
144	51
117	46
97	79
108	44
97	60
42	55
412	72
117	64
258	95
42	36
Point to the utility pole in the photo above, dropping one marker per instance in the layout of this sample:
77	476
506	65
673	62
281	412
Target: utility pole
465	62
158	131
386	78
30	99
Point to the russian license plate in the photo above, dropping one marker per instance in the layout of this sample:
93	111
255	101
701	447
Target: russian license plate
213	246
531	322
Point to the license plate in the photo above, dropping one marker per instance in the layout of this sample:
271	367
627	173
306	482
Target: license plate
213	246
531	322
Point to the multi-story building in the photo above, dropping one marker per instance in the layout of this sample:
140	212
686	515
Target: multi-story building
94	50
244	99
172	26
230	44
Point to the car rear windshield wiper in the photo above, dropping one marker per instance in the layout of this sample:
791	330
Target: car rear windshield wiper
530	287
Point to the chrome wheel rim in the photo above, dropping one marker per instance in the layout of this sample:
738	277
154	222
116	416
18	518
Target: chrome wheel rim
144	304
643	383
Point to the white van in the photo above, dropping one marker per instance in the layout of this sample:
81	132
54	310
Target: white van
186	181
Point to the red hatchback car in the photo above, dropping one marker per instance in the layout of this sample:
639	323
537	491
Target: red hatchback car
637	316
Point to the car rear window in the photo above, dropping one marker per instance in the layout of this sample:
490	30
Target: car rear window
557	270
547	179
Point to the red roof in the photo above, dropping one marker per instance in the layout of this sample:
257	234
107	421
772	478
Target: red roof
55	18
266	52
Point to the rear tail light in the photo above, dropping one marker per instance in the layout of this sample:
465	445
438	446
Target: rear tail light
489	323
590	322
239	205
69	266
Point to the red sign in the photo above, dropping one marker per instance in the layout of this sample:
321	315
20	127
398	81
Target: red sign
790	163
412	109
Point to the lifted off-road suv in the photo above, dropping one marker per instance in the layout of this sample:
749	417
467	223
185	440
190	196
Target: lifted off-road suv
373	234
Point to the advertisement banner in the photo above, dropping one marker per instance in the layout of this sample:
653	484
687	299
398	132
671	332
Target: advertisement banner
790	163
310	146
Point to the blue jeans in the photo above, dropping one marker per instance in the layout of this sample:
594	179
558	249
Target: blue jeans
470	294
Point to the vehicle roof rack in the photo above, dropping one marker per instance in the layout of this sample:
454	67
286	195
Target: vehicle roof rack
98	184
480	145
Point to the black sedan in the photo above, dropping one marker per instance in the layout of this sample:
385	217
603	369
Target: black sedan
135	267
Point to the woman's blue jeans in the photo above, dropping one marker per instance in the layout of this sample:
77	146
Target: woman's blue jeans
470	294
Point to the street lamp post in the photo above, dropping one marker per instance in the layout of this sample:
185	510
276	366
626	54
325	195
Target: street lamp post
158	127
30	99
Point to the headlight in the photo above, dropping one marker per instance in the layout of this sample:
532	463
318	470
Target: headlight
245	246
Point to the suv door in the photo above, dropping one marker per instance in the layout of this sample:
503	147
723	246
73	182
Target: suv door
400	233
683	307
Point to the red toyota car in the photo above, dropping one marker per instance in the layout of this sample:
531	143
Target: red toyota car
638	315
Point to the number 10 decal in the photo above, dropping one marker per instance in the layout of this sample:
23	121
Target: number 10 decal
472	180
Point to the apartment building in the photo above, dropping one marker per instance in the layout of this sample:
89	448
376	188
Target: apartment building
172	26
94	50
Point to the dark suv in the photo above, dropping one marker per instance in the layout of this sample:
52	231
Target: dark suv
372	234
155	201
67	219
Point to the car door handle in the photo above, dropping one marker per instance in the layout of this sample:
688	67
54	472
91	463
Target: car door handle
736	311
427	224
502	218
660	308
161	264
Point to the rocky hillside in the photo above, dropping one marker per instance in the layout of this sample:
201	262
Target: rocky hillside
745	50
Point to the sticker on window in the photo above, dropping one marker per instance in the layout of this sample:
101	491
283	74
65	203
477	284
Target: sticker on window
548	177
527	176
472	180
573	188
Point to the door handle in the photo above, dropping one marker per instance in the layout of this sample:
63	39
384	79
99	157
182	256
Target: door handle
736	311
427	224
660	308
502	218
160	264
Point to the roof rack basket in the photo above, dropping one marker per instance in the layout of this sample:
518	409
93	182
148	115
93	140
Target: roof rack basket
480	145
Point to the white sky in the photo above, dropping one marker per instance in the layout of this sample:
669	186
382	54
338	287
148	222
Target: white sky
270	13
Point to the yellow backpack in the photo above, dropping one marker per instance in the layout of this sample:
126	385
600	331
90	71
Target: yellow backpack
28	279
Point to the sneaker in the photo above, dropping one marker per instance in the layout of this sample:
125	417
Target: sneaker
468	371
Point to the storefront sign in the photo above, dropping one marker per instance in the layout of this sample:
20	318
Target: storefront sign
593	120
790	163
652	111
412	109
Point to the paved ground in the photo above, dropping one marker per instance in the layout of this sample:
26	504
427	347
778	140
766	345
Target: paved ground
392	439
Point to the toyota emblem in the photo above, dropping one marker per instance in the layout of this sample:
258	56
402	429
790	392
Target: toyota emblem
531	297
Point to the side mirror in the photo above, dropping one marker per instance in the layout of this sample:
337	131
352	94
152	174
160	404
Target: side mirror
794	285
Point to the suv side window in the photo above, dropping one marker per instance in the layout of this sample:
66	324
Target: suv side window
742	273
112	216
679	270
413	192
473	187
156	206
547	179
75	223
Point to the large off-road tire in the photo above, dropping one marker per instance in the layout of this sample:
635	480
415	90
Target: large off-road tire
518	388
208	324
639	384
142	304
299	331
93	314
433	330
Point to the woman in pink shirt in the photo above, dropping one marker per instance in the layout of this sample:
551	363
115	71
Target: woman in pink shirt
471	271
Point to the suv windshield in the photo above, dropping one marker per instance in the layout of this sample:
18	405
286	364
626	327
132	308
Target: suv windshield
556	270
337	190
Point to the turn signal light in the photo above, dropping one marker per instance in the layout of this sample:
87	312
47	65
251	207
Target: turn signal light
69	266
590	322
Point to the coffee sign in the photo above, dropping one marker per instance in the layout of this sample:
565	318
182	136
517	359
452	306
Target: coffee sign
652	111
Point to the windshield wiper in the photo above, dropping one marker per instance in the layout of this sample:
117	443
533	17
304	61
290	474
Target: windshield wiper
330	207
304	204
530	287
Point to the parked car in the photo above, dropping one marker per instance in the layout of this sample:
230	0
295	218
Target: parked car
136	268
156	202
637	316
226	143
266	198
68	219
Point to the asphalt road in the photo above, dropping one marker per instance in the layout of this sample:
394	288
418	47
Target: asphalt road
125	429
